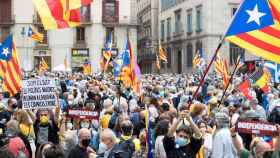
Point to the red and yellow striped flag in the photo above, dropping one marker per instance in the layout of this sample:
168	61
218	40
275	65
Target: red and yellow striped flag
219	65
256	28
10	70
162	54
226	76
157	62
56	14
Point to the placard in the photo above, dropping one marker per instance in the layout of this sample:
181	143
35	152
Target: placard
38	93
260	128
83	114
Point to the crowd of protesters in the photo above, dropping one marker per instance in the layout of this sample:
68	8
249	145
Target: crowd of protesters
203	128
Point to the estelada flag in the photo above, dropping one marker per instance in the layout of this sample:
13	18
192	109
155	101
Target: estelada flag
10	70
260	31
34	34
57	14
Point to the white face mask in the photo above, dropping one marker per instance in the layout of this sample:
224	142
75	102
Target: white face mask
102	148
85	125
69	126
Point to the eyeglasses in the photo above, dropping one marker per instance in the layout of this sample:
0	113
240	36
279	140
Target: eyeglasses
43	114
183	136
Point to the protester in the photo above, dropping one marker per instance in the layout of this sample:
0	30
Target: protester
82	150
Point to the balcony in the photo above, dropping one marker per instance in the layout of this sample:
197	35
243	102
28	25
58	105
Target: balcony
7	21
147	56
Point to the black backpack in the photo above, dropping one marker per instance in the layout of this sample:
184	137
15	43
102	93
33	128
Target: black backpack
125	149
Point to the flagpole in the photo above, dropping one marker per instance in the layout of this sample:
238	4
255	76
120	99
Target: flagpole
230	80
214	56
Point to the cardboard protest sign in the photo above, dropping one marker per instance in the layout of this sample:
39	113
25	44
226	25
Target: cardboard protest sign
38	93
260	128
84	114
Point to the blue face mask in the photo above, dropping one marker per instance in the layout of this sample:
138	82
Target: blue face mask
161	93
181	141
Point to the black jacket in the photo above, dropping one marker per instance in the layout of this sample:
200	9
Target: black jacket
188	151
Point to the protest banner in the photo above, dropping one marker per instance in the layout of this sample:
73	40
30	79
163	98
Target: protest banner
260	128
38	94
83	114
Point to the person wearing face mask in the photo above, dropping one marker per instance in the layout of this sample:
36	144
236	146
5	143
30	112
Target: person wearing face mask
46	129
222	142
12	107
82	150
108	143
185	144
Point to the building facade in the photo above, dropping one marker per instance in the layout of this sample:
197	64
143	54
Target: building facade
186	26
147	15
73	45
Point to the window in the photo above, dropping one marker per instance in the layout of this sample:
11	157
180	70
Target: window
189	21
198	47
162	30
189	55
85	13
234	52
110	11
233	11
198	19
168	27
80	34
178	21
5	11
165	4
168	51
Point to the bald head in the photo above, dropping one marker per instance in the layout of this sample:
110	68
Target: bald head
108	137
84	133
261	148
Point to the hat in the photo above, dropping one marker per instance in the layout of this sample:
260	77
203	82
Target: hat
251	114
222	118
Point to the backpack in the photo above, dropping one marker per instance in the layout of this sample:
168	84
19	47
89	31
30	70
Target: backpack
125	149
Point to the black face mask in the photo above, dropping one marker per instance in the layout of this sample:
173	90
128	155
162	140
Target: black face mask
85	142
14	106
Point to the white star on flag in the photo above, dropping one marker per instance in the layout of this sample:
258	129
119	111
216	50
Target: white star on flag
5	51
255	15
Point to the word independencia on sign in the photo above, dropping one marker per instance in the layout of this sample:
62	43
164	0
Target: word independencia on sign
38	93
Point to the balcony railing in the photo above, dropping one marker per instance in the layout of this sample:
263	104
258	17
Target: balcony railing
7	21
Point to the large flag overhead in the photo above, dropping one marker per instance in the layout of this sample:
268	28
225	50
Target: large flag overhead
260	31
10	70
56	14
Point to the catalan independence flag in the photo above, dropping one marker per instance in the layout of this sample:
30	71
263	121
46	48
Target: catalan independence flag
219	65
57	14
162	54
87	68
34	34
10	70
197	60
260	31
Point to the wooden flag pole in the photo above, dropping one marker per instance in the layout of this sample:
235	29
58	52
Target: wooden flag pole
230	80
206	71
